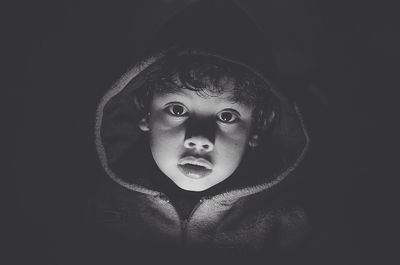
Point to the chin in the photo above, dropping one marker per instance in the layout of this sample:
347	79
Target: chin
192	185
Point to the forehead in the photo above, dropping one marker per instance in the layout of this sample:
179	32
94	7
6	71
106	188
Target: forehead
206	100
227	95
224	92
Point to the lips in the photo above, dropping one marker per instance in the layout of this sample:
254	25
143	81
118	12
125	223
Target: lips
195	168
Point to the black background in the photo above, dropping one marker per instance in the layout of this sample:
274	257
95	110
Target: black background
61	56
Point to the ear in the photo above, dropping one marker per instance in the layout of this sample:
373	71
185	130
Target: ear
144	124
253	141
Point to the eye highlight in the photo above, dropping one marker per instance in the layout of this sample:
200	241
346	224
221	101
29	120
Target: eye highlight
177	110
228	116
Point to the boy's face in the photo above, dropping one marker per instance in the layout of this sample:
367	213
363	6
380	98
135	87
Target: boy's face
197	141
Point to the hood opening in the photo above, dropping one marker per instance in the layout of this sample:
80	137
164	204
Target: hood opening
124	150
210	28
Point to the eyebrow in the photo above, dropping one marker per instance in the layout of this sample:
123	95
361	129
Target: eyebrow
231	98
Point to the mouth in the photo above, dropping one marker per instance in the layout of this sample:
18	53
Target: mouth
195	168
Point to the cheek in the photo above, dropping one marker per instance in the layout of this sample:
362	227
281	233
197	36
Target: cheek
163	148
231	146
165	138
160	121
235	136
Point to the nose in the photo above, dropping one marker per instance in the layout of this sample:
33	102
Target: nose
200	134
199	143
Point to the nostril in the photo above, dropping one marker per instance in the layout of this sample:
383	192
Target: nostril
198	144
189	144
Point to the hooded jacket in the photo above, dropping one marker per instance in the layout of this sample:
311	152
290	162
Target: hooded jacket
255	211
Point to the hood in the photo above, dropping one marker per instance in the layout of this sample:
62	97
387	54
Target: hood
209	28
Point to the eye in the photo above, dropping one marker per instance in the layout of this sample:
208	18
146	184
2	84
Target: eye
228	116
177	110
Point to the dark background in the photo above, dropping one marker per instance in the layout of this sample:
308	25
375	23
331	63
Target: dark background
61	56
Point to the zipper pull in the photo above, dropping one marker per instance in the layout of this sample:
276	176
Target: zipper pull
164	198
184	224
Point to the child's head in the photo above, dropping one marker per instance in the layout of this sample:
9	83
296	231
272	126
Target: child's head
202	113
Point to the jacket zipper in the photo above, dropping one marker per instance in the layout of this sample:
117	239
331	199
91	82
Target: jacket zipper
185	222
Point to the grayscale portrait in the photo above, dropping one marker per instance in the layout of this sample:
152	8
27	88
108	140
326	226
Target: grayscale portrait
210	131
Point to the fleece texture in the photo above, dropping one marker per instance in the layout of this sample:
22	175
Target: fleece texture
255	213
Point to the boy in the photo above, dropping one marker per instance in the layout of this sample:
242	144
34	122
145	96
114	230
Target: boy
197	142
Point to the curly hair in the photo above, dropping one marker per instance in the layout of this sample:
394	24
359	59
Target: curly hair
209	76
